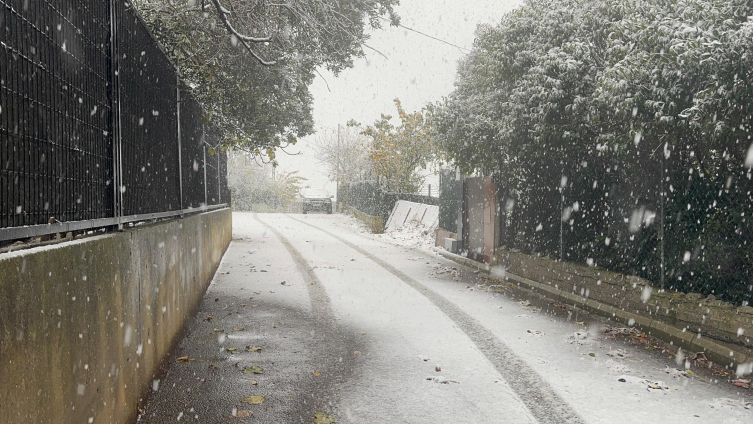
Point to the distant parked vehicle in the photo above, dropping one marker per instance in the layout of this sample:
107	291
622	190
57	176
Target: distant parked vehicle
316	199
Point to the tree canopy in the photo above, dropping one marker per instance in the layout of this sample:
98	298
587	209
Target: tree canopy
345	154
398	153
590	111
250	62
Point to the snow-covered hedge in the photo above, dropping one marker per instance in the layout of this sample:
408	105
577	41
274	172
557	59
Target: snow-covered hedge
620	134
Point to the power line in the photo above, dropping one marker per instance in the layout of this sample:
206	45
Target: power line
324	126
462	49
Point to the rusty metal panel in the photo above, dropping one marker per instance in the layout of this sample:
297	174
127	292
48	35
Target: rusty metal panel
490	218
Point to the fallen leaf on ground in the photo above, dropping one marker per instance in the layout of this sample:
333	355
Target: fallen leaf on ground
647	384
243	413
437	368
254	383
621	331
219	330
322	418
698	357
182	359
243	304
238	329
253	348
253	370
561	306
208	318
213	367
358	352
317	374
276	326
253	400
231	349
745	384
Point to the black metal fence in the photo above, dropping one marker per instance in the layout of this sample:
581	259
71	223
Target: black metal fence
95	127
367	197
654	215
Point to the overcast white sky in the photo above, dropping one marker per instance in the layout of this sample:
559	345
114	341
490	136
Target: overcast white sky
418	70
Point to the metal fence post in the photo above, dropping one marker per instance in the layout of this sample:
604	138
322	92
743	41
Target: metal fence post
219	180
115	113
180	149
204	149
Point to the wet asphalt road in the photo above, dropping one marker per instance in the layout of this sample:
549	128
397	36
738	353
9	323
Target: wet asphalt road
350	328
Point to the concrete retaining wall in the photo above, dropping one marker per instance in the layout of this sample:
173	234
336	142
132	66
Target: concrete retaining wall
697	324
375	223
709	317
85	324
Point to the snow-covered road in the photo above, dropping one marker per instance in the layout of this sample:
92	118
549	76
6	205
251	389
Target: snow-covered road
358	328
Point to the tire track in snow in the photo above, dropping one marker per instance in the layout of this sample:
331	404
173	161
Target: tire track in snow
543	402
319	299
332	344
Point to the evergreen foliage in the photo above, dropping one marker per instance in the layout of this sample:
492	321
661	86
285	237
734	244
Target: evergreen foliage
597	115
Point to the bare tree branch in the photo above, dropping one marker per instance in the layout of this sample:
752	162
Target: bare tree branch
323	79
382	54
243	39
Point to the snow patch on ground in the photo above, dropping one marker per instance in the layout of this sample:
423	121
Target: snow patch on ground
354	224
617	368
730	403
413	234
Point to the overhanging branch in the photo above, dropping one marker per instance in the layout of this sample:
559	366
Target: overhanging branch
243	39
